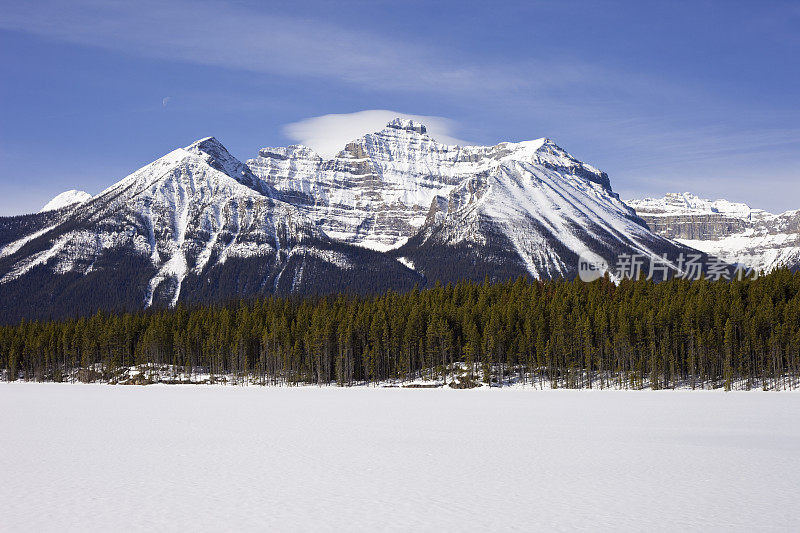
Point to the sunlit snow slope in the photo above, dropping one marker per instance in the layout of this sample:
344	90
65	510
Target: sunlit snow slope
66	199
504	210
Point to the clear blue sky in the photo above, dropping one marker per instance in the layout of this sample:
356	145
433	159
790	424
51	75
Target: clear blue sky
664	96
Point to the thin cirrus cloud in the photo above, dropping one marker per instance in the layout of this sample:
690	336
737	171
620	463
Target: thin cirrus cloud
233	37
328	134
229	36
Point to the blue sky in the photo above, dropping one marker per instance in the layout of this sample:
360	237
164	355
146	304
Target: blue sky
664	96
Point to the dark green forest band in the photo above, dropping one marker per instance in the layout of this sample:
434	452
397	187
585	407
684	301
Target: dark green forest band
702	334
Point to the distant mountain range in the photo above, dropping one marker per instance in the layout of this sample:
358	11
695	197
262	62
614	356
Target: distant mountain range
731	231
392	210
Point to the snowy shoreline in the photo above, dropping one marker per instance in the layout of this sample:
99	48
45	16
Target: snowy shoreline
408	386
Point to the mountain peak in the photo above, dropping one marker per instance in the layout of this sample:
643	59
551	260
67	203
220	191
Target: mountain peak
65	199
209	145
407	125
218	157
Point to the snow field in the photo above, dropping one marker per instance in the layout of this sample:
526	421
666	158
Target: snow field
101	457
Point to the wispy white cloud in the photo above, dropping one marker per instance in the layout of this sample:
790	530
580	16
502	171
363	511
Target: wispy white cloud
328	134
230	36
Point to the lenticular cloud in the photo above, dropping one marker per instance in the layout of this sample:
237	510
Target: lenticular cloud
327	134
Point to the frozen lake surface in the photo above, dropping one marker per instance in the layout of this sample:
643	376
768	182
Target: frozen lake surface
101	457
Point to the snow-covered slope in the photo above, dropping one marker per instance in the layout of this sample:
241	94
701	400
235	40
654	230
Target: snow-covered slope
535	211
688	204
65	199
732	231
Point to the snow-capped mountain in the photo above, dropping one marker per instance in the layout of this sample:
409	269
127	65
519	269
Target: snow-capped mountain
509	209
689	204
193	225
377	191
391	210
66	199
732	231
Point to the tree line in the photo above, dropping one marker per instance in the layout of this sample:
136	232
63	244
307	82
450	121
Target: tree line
561	334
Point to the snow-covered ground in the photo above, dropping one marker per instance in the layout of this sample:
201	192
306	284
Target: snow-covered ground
100	457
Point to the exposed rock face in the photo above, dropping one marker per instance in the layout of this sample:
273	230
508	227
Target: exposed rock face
698	227
733	231
375	192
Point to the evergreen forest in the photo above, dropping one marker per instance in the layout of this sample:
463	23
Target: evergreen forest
741	334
